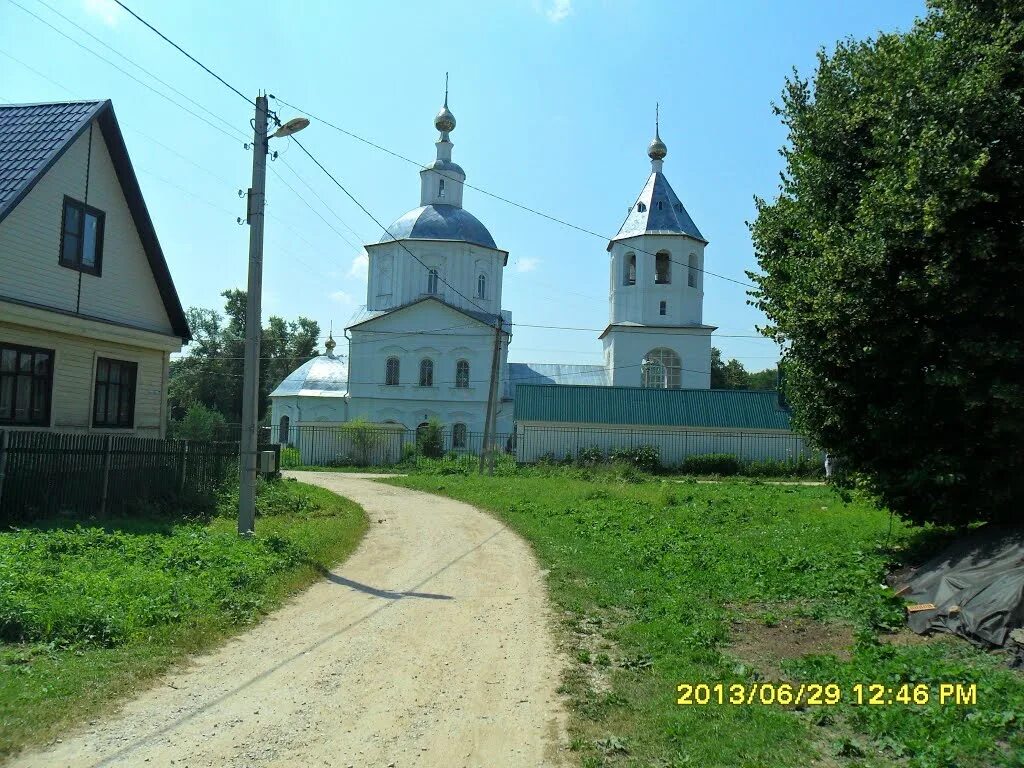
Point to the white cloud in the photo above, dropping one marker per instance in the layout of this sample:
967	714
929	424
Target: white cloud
527	264
556	10
342	297
105	10
360	266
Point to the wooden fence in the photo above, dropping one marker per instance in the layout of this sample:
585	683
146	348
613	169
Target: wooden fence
46	474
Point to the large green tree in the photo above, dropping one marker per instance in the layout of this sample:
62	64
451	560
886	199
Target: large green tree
210	373
891	263
734	375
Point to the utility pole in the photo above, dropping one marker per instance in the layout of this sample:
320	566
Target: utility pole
491	405
253	323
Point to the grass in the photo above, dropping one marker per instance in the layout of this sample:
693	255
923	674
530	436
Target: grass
90	613
662	583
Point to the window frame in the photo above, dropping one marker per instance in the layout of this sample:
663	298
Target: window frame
481	286
663	309
668	268
433	279
117	422
84	210
440	188
691	271
462	378
458	444
426	372
672	369
387	372
629	269
19	349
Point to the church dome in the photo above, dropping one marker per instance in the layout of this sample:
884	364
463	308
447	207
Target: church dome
440	222
323	376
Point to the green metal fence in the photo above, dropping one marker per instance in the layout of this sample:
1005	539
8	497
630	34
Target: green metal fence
46	474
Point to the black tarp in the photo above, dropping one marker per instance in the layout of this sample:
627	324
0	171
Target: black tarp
976	585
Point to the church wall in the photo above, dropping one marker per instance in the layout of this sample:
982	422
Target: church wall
640	303
625	348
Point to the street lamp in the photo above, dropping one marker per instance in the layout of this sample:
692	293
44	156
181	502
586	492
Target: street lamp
253	322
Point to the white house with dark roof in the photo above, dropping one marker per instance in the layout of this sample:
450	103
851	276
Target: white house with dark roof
88	312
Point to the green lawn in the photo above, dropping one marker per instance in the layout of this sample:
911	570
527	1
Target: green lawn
89	613
661	583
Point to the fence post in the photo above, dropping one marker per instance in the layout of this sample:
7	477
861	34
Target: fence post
182	459
3	464
106	474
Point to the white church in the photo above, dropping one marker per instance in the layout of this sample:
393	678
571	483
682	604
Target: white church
421	348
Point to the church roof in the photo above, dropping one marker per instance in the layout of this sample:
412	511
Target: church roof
703	408
323	376
658	211
554	373
365	315
440	222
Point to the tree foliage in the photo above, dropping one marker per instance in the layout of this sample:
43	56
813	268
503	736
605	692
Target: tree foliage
210	373
733	374
892	268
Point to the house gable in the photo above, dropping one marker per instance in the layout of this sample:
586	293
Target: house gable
89	163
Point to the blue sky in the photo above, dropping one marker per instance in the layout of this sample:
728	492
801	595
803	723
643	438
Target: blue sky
555	107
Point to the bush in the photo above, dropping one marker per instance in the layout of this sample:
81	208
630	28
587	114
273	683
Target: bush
363	437
646	458
804	466
199	423
711	464
430	439
589	457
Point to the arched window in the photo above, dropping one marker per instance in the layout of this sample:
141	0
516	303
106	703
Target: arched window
629	269
691	273
282	430
432	279
662	268
426	373
661	205
391	372
663	308
678	207
481	287
641	207
661	369
440	188
462	374
459	435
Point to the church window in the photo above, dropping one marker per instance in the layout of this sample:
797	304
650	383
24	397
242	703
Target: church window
391	372
661	369
426	373
629	270
432	279
663	308
481	287
462	374
282	430
662	268
661	205
641	207
678	207
459	435
440	188
691	272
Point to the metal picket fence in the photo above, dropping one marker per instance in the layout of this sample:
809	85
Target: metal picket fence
46	474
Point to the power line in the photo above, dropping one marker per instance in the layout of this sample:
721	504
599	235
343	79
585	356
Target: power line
136	64
186	53
122	70
497	196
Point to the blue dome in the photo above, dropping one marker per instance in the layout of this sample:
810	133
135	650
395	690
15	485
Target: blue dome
440	222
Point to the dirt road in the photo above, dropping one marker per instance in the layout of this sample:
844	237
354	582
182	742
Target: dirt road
430	647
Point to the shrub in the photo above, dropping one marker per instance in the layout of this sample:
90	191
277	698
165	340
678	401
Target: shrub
429	439
711	464
199	423
589	457
644	457
363	437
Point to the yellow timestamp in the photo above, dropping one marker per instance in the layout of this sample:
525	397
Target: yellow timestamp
827	694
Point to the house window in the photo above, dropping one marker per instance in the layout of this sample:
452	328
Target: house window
462	374
629	270
661	369
426	373
26	385
81	241
440	188
459	436
691	272
662	268
282	431
432	279
481	287
114	398
391	372
663	308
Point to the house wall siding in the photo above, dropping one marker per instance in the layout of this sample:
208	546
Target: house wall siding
126	291
74	375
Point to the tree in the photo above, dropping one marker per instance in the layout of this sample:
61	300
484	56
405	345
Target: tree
733	375
210	373
892	268
199	423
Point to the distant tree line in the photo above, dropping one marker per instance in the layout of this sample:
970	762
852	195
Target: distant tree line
205	391
733	375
